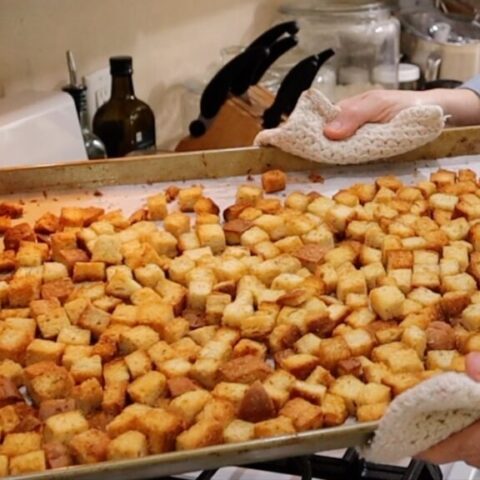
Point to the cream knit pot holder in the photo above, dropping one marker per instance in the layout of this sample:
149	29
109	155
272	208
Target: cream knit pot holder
302	133
424	416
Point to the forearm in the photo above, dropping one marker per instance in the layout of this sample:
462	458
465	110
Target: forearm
462	105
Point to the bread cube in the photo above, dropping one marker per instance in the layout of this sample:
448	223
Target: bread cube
147	388
275	427
404	361
13	344
190	404
28	463
187	197
331	351
177	223
354	282
12	371
239	431
90	446
202	434
41	350
88	395
374	393
31	254
128	445
89	272
253	236
387	301
461	282
443	201
15	235
164	243
64	426
3	458
20	443
137	338
205	206
94	320
304	415
441	359
274	181
114	397
471	318
371	412
138	363
350	389
51	323
157	206
85	368
21	291
72	335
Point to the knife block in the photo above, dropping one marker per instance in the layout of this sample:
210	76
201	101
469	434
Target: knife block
236	125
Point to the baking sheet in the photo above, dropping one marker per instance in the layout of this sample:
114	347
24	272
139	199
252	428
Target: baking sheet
131	197
327	180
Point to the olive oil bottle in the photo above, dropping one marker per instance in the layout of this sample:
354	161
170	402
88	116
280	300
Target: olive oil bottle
124	123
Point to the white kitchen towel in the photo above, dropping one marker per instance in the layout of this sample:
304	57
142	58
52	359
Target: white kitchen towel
424	416
302	134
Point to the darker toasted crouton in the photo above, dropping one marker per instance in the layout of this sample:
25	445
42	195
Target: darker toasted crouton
245	369
256	404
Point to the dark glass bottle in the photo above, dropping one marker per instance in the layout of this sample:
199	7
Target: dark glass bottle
124	123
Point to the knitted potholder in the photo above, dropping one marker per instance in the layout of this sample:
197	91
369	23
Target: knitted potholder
424	416
302	134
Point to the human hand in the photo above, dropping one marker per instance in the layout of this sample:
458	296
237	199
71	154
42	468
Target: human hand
464	445
374	106
380	106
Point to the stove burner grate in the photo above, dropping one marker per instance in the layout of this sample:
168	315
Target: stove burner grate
349	467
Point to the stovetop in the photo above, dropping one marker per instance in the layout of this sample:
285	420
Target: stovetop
348	467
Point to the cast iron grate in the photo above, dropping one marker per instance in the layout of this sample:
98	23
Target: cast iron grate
349	467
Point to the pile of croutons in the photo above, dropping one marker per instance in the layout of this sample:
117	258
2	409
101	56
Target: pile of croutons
121	338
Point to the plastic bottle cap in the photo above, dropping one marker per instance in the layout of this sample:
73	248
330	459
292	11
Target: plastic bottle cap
121	65
407	72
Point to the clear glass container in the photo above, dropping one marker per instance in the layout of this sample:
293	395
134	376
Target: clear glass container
364	35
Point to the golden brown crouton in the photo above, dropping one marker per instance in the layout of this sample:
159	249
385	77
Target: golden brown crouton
47	381
304	415
15	235
274	181
331	351
245	369
64	426
128	445
28	463
20	443
161	428
202	434
48	408
48	223
89	446
275	427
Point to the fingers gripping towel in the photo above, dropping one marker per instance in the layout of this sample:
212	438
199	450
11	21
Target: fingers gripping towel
302	134
424	416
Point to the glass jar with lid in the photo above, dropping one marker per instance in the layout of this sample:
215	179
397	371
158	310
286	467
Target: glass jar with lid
364	35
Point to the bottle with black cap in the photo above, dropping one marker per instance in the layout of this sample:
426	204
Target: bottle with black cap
124	123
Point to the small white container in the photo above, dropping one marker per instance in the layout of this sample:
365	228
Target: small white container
408	76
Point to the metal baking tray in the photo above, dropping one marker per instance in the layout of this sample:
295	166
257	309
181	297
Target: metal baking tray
124	183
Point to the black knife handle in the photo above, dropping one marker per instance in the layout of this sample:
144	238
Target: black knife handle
267	38
244	78
278	49
217	90
297	80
